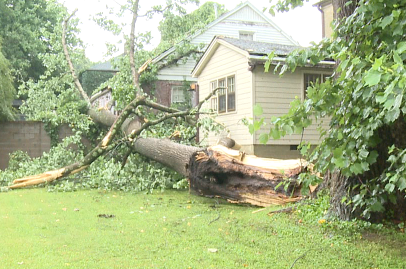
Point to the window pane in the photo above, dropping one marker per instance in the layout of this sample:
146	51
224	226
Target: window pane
213	86
310	80
230	93
222	95
231	102
222	85
178	95
230	85
247	36
214	103
222	103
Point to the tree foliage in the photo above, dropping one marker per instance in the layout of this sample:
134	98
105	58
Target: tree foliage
365	103
54	100
7	90
23	26
174	27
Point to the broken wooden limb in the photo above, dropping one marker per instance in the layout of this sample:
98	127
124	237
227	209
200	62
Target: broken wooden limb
241	178
215	171
229	174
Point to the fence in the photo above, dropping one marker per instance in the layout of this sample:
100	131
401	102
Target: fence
28	136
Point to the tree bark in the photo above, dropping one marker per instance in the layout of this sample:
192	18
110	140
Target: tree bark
214	172
226	173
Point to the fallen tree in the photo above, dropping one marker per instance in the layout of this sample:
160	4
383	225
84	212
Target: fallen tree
214	171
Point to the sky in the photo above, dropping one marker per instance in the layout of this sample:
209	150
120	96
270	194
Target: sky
302	24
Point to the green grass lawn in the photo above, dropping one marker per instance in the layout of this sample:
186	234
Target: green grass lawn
173	229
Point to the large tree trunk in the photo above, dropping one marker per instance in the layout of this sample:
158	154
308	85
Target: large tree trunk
338	184
221	172
214	172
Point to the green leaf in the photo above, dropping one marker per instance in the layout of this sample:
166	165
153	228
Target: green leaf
372	78
258	124
397	58
401	47
377	63
377	207
363	153
356	168
401	183
263	138
288	129
337	153
386	21
275	134
389	187
258	111
251	129
339	162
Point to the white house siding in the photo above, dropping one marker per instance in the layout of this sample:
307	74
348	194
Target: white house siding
226	62
275	93
179	72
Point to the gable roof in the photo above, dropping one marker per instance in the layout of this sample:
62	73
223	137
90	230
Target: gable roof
222	18
253	50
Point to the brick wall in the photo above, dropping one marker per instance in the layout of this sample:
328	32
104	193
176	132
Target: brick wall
27	136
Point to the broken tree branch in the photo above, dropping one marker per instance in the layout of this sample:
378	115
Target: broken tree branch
134	73
68	59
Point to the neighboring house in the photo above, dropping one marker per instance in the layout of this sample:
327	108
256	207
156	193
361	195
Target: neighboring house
327	16
245	22
104	100
94	76
238	66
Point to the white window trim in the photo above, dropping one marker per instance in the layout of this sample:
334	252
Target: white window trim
217	95
247	33
177	87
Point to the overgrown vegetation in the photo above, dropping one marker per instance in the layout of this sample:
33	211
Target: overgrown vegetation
365	103
7	90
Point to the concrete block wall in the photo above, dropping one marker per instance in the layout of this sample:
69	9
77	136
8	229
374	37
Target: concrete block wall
28	136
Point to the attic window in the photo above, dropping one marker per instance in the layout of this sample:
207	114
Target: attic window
246	36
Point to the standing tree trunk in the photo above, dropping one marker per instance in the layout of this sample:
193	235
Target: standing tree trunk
338	184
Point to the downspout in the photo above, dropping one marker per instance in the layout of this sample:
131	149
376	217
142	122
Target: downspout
323	30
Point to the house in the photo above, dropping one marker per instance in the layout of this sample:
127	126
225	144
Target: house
327	16
104	100
238	66
244	22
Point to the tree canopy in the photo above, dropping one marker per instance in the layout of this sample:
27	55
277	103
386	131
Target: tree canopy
23	27
175	27
365	102
7	90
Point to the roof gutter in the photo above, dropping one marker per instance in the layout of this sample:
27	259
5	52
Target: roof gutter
278	59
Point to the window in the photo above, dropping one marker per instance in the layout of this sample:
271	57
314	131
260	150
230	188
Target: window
224	100
178	94
213	103
311	79
230	93
246	36
221	93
